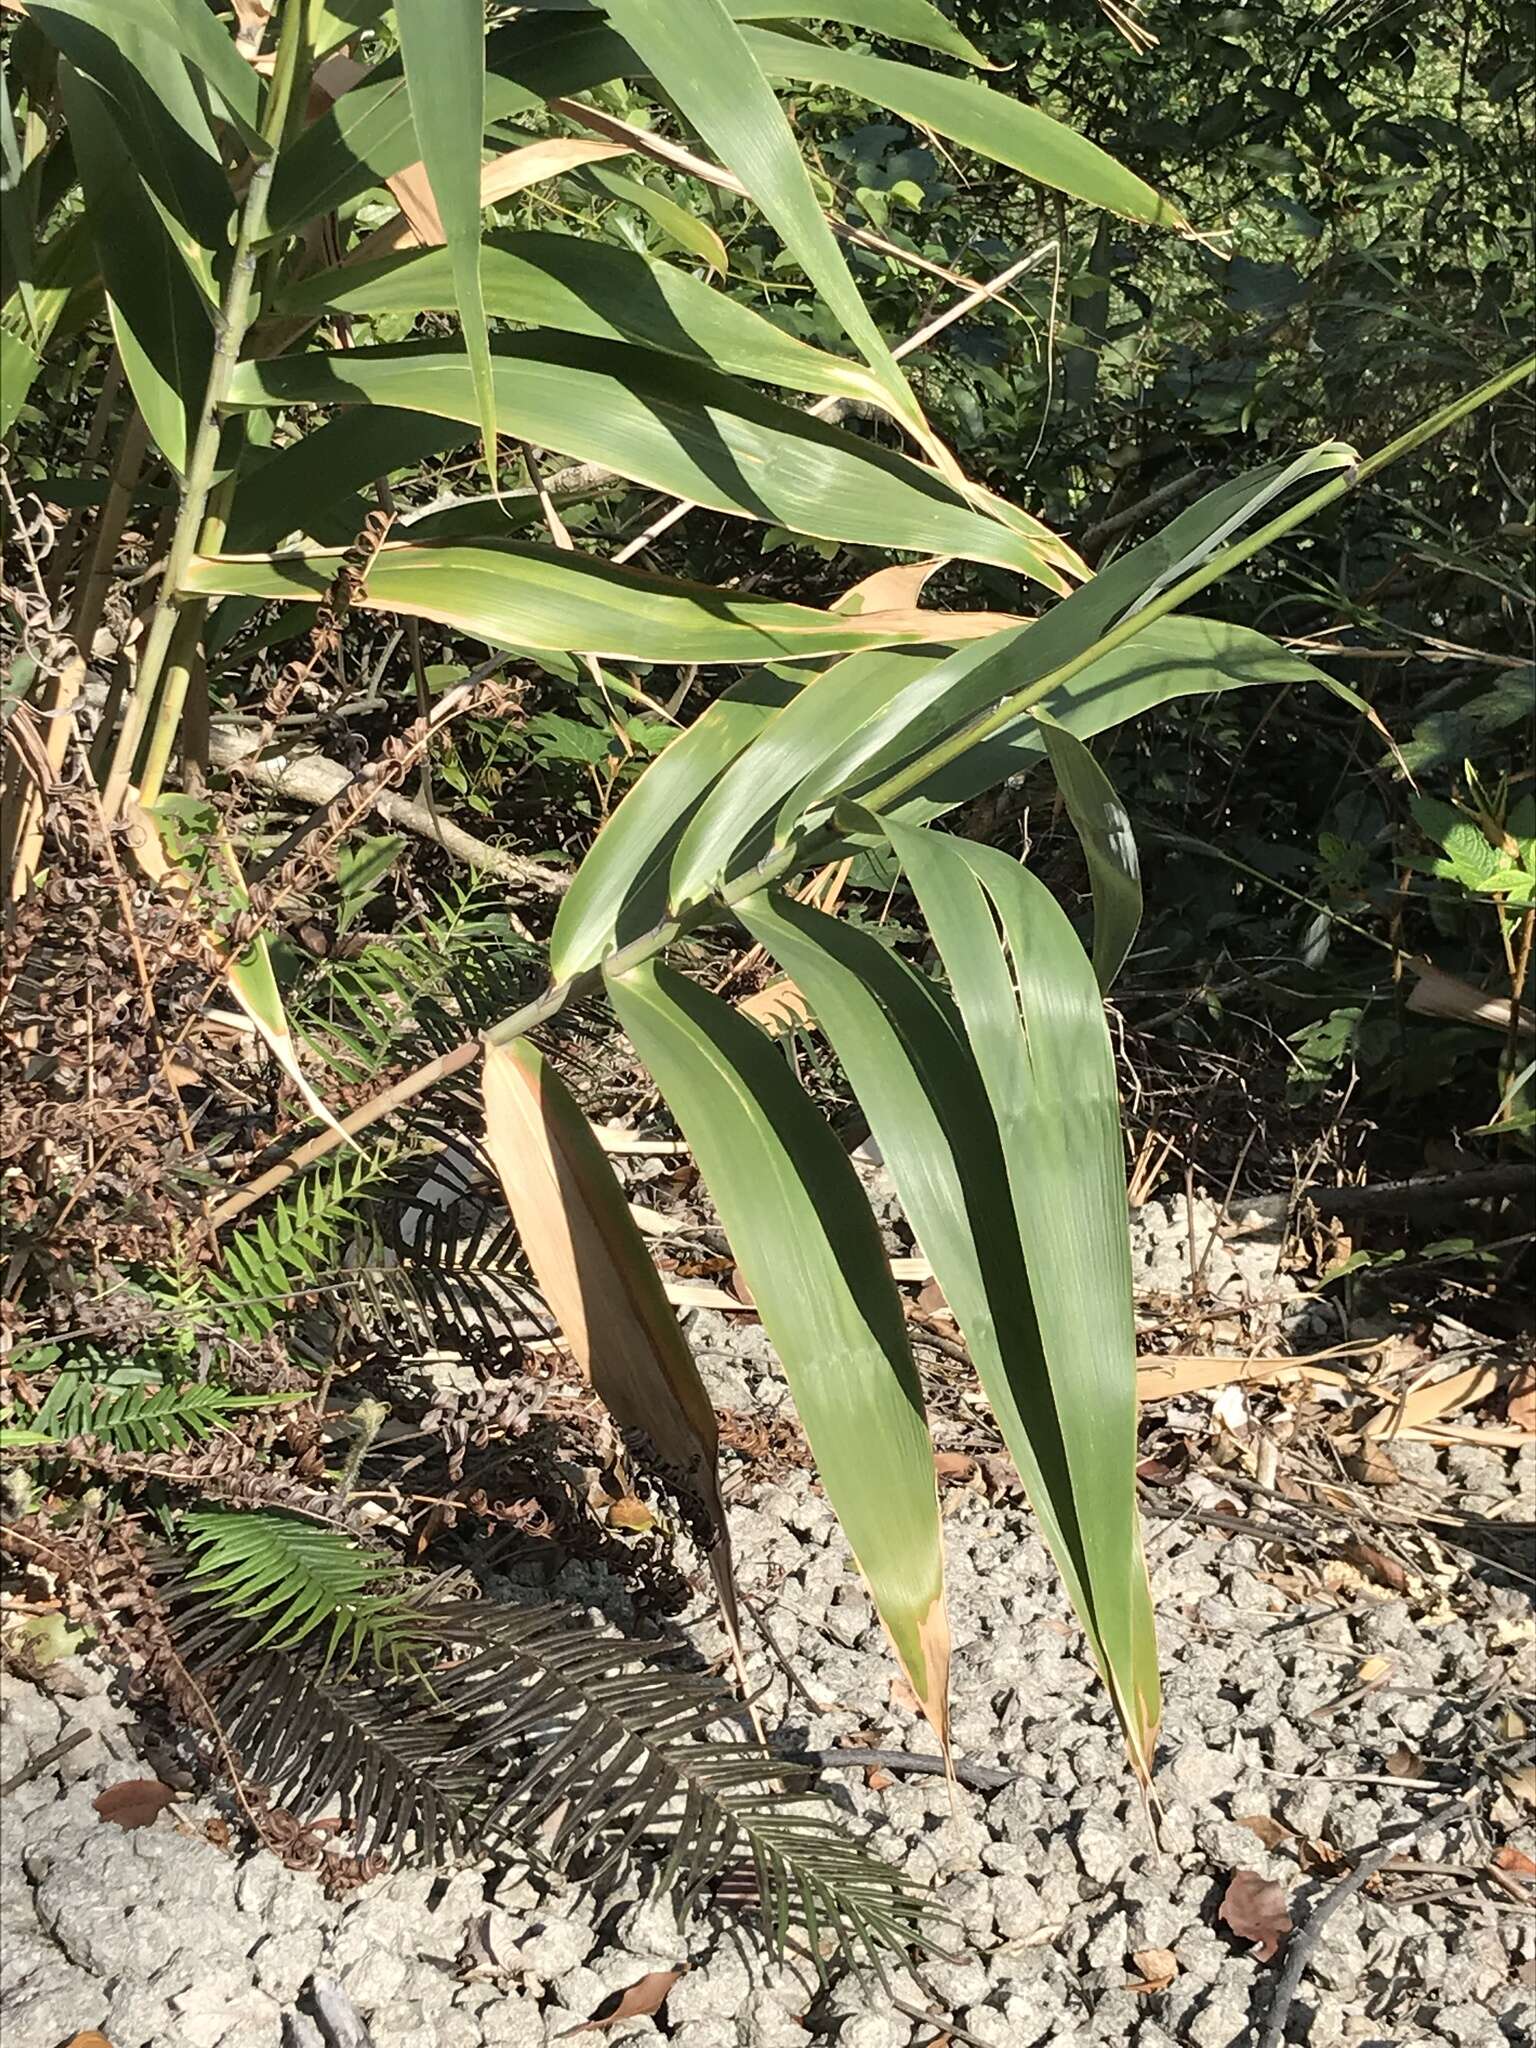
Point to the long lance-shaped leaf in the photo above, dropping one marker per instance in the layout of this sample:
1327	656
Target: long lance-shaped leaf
595	1272
703	62
307	488
1035	1023
806	1242
520	595
1109	846
678	428
904	21
904	1050
160	319
442	49
186	26
620	889
578	286
839	739
158	109
977	117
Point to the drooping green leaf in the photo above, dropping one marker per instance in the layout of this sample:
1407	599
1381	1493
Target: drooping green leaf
691	432
520	595
308	487
158	109
185	26
620	889
1035	1024
160	319
578	286
992	123
1109	846
442	49
807	1245
705	65
903	1048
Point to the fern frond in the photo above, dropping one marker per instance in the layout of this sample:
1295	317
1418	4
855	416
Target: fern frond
297	1245
297	1584
527	1727
132	1411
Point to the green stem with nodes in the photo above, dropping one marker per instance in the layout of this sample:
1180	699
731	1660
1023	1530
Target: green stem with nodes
160	686
785	860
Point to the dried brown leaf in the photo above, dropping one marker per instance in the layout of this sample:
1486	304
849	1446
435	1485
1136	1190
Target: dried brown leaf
1372	1467
1375	1564
1157	1968
1255	1909
1405	1763
135	1803
638	2001
1515	1861
630	1512
1271	1832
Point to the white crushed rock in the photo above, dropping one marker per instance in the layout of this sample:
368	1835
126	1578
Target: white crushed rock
161	1940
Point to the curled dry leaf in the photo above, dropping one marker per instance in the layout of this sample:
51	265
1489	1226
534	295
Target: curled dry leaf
1156	1969
135	1803
1377	1566
629	1512
1404	1763
1254	1908
637	2001
1271	1832
89	2039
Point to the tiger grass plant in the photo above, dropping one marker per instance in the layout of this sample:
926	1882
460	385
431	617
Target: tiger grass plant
203	191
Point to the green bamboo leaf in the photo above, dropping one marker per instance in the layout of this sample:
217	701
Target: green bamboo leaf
442	49
65	294
806	1243
309	487
520	595
992	123
157	106
904	1051
905	21
1109	846
732	827
695	237
185	26
1035	1024
681	429
620	889
578	286
705	64
160	319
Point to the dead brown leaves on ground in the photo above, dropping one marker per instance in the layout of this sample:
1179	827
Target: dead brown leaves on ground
1255	1909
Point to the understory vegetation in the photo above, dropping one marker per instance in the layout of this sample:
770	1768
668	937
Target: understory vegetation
605	603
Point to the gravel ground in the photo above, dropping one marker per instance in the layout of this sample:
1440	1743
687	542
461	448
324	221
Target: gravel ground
161	1939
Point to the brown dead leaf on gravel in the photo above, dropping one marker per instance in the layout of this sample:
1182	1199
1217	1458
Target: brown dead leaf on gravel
1372	1467
637	2001
135	1803
1376	1565
1515	1861
1404	1763
1255	1909
1156	1968
1271	1832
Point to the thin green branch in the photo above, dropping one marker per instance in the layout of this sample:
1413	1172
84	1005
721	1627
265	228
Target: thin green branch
786	860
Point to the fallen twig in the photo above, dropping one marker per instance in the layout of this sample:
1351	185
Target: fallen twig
42	1760
1301	1949
975	1777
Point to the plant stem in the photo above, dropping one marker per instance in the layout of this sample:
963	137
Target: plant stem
157	665
785	860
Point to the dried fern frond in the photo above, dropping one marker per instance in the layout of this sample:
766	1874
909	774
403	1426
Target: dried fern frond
525	1726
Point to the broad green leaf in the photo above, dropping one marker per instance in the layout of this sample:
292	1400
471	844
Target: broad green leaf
705	64
620	889
1109	846
442	49
593	1268
158	109
693	235
579	286
1034	1020
516	594
903	1048
992	123
730	830
681	429
160	319
309	487
186	26
905	21
806	1243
